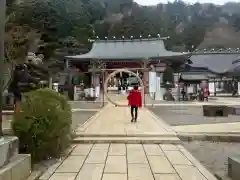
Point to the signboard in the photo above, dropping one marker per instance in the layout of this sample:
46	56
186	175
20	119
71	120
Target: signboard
152	82
77	92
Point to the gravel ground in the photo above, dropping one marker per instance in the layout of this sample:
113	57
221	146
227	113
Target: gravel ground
213	155
188	115
81	117
78	118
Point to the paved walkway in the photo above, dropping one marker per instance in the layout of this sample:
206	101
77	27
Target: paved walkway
124	161
116	121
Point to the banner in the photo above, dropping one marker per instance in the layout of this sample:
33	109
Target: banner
152	82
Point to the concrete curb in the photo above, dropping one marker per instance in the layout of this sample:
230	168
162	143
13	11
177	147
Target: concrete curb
127	140
209	137
209	133
84	110
124	135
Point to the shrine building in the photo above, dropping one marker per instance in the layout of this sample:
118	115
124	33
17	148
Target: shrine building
137	55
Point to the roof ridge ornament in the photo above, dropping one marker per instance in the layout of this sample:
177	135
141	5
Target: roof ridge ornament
124	39
219	50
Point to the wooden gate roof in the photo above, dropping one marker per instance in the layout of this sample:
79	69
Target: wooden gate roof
130	49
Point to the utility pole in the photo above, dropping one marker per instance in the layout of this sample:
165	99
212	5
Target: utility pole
2	31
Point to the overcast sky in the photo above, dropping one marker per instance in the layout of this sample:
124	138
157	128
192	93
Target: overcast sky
154	2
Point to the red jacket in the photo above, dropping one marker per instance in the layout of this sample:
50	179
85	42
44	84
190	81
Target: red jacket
206	92
135	98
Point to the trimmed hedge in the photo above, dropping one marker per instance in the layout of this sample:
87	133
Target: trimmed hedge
44	124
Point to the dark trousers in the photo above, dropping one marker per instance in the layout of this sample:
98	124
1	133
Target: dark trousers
134	112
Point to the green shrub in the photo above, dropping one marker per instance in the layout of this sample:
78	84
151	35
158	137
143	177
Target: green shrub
43	125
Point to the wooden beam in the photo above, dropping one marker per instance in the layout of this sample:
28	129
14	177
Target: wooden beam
114	69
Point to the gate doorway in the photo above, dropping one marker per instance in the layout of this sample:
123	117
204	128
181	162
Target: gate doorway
113	74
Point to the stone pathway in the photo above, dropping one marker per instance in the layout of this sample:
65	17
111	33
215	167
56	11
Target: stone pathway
127	161
116	121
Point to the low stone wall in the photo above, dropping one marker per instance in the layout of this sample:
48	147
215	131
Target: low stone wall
8	149
234	167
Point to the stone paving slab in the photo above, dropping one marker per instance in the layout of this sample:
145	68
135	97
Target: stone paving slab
96	161
131	162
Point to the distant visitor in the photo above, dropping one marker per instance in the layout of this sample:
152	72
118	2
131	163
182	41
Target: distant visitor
134	101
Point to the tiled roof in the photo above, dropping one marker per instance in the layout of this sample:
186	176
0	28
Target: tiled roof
193	76
236	67
128	49
218	63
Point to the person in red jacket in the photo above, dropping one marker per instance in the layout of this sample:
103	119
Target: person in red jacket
135	101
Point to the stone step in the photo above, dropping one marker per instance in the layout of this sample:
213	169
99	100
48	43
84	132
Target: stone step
165	134
216	137
129	140
18	168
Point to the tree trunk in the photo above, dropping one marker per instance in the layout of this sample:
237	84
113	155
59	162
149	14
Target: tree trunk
17	107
